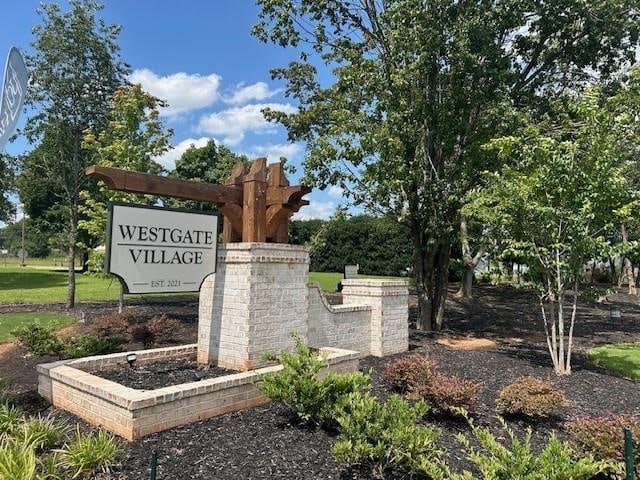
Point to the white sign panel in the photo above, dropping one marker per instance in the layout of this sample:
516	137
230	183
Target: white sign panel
13	92
156	250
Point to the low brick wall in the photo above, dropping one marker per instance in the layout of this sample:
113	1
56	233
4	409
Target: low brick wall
133	413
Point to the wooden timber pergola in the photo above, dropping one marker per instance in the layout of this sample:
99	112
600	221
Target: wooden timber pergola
256	202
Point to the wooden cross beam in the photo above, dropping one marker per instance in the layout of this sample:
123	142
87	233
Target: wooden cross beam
257	203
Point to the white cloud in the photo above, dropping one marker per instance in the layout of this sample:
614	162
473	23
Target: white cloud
335	191
168	159
245	93
315	209
232	124
275	151
182	91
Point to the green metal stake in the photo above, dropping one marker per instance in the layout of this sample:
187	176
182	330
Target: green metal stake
154	464
628	454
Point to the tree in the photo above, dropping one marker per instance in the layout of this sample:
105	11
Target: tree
553	203
7	185
418	87
75	69
210	163
132	138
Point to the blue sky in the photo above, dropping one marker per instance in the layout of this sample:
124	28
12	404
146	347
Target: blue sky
200	57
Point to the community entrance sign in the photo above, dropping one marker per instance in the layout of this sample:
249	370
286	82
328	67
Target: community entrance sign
156	250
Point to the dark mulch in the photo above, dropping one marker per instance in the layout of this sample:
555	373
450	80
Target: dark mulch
162	374
263	443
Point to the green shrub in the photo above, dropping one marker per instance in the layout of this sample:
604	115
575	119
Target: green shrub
87	346
16	462
88	454
163	328
38	339
299	386
517	461
385	436
11	418
50	467
405	372
603	437
531	397
40	433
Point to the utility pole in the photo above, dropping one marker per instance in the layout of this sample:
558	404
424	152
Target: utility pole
22	264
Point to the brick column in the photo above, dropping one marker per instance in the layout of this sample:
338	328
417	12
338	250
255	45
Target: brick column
390	312
253	303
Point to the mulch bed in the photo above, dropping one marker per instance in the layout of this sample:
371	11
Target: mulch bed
162	374
264	442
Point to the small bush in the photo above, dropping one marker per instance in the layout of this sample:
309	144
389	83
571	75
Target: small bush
164	328
531	397
603	437
16	461
298	385
517	461
448	394
40	433
386	436
141	334
38	339
87	346
110	326
88	454
11	419
406	372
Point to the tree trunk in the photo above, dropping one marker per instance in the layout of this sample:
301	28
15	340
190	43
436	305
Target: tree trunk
431	270
73	236
466	284
120	299
627	269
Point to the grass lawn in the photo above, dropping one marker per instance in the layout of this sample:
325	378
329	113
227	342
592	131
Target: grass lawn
31	285
10	321
622	359
40	285
329	281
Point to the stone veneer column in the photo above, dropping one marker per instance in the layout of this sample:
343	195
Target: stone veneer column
390	314
253	303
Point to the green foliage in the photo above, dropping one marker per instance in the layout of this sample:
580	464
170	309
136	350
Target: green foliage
11	418
362	240
7	185
210	163
418	88
88	345
531	397
17	462
386	436
603	437
85	455
302	231
40	433
38	339
299	386
516	461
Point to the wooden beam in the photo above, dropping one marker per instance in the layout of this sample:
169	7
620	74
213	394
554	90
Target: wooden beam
254	208
148	184
282	195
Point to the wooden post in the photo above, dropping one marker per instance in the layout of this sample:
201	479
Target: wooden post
254	203
231	234
277	178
